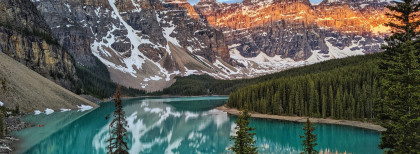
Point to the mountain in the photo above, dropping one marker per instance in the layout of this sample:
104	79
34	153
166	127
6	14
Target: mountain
146	43
272	35
26	37
143	43
30	91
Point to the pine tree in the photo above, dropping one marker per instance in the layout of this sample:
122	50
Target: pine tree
317	104
331	100
310	138
363	101
263	106
337	104
400	72
312	98
244	139
117	143
291	101
284	102
1	126
277	105
324	106
298	110
16	111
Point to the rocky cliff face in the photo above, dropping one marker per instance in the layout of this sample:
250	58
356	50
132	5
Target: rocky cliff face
279	34
144	43
20	86
25	36
356	16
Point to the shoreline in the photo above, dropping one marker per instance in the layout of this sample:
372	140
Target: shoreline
162	96
359	124
10	143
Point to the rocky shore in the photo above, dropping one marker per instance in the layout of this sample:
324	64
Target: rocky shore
9	142
359	124
91	98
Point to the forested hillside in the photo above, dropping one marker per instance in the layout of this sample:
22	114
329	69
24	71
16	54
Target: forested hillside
330	90
99	84
206	85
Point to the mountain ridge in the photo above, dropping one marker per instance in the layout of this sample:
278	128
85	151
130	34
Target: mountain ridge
146	43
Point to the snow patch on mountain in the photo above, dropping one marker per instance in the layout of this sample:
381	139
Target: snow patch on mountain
167	31
136	41
264	64
354	49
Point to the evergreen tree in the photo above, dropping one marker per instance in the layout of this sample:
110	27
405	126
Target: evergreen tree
312	98
277	105
298	110
1	126
244	139
263	106
363	101
284	101
317	104
117	143
324	106
400	72
310	138
331	100
337	104
291	97
16	111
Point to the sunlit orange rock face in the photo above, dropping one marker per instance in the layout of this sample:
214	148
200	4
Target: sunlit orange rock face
254	16
351	19
339	16
376	18
254	13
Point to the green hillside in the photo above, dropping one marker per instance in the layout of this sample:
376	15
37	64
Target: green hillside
341	89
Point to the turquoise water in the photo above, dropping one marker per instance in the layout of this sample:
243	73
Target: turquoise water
180	125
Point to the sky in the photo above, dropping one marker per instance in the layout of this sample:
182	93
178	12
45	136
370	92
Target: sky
233	1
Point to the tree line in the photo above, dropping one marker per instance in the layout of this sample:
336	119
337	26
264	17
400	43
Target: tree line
99	84
194	85
348	92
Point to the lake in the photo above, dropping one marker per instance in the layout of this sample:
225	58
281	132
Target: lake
180	125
